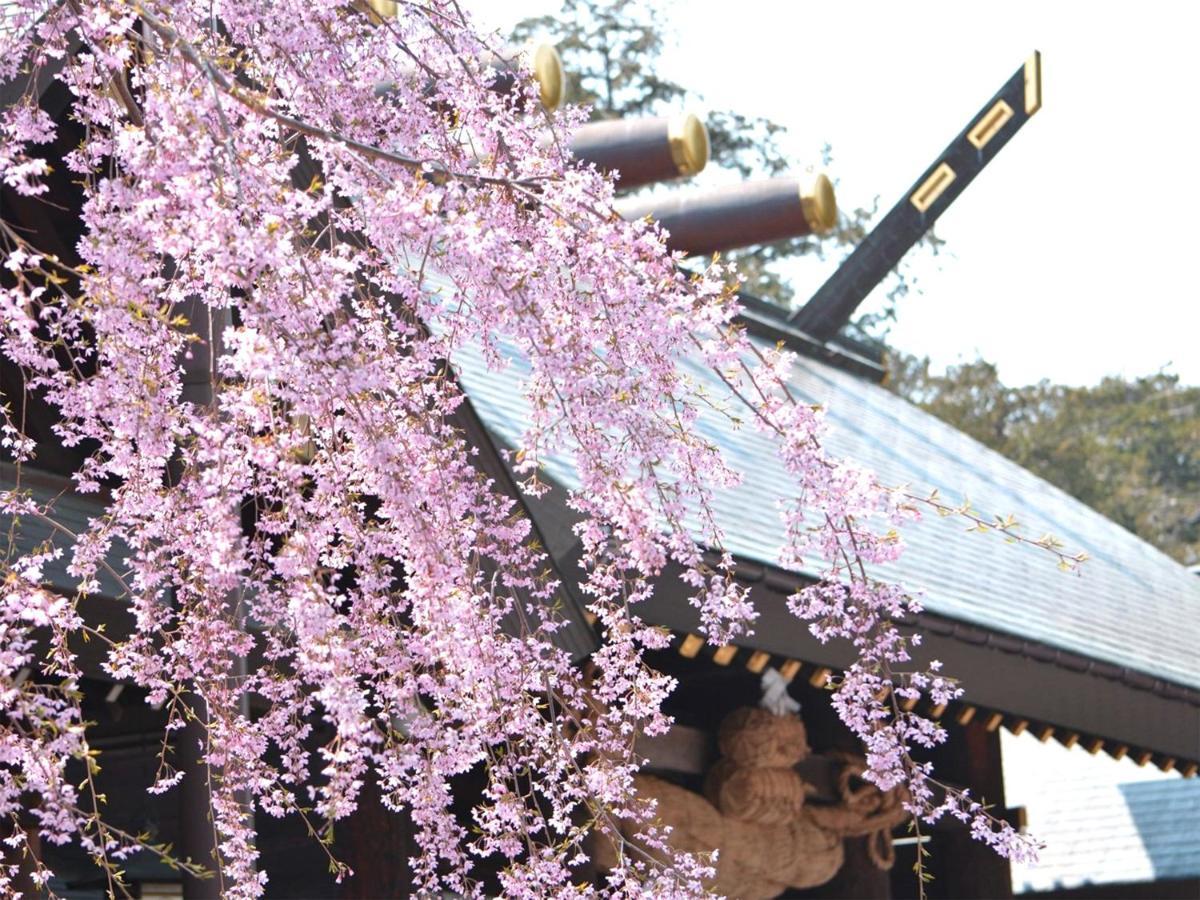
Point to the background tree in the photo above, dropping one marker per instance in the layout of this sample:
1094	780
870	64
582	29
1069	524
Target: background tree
611	49
1127	447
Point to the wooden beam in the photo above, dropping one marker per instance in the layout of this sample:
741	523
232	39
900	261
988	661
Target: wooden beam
1095	745
758	661
937	711
1045	733
1118	752
1021	815
790	669
1018	727
999	681
682	749
1189	771
967	868
820	677
995	720
908	704
1144	757
1069	740
965	715
724	655
1167	764
690	646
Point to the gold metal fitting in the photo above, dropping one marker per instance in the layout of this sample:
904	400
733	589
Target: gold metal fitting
383	9
990	124
548	70
933	187
819	204
1033	83
688	140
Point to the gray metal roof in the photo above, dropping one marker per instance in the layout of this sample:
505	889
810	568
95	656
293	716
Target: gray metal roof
1131	605
1103	833
1103	821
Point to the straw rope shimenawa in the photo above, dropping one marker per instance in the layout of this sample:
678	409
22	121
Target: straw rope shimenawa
757	811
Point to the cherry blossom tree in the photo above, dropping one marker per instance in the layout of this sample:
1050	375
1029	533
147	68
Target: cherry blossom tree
296	217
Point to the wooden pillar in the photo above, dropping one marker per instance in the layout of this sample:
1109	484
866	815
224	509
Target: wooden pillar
22	857
967	867
197	837
377	844
858	878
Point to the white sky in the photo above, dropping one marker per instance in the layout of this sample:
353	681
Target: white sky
1073	254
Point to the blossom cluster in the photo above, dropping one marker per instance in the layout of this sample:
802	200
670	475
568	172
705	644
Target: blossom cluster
296	216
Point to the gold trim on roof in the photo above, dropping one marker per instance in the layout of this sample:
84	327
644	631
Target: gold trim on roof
935	185
1033	83
991	123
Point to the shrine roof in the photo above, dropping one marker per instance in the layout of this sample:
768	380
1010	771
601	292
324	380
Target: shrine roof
1103	833
1129	606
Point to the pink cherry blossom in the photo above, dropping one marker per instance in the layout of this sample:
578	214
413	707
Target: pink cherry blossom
281	264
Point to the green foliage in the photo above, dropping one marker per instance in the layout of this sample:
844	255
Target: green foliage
1129	448
610	50
607	49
